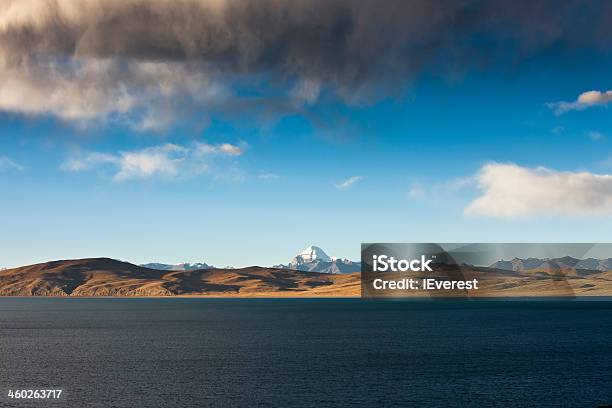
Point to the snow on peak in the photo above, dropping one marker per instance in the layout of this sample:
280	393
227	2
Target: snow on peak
310	254
314	259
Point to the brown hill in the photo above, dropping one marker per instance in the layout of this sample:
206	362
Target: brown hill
541	281
109	277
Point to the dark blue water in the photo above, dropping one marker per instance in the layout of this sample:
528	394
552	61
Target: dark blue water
194	353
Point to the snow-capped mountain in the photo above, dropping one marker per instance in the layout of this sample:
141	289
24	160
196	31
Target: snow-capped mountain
314	259
311	259
566	262
310	254
177	267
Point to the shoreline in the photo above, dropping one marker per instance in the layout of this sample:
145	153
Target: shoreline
407	298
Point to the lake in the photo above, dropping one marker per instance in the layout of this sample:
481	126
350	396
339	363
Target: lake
310	352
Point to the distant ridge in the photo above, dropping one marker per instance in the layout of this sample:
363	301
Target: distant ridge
177	267
563	263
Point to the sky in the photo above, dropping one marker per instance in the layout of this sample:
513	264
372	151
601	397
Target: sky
238	133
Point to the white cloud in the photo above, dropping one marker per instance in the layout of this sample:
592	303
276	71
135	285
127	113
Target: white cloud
509	190
230	149
585	100
147	96
222	149
349	182
89	162
167	161
6	163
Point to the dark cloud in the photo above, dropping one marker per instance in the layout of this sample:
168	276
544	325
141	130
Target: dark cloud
350	48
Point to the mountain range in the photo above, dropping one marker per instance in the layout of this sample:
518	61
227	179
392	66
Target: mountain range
314	259
559	264
311	259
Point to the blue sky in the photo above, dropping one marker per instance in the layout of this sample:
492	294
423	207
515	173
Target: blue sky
434	160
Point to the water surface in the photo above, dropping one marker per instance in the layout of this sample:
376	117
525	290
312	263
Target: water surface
311	352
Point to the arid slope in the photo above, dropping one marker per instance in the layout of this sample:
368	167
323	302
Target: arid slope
108	277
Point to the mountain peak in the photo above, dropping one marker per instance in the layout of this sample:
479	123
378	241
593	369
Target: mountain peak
311	254
314	259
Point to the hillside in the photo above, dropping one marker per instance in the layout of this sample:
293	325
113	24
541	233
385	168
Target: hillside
109	277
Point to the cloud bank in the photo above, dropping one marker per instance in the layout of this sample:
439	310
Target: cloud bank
509	190
584	101
147	62
167	161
